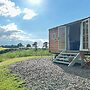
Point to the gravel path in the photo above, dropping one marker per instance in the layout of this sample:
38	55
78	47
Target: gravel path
42	74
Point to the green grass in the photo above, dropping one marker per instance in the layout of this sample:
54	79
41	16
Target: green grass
10	81
24	53
1	48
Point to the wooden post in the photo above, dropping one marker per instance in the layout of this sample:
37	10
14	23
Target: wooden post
82	56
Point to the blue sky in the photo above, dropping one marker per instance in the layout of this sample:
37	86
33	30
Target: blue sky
27	21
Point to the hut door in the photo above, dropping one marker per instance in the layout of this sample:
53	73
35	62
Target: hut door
84	35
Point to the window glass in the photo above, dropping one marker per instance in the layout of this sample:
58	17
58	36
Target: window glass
54	36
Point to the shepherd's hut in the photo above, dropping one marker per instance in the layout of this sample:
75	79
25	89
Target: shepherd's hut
69	41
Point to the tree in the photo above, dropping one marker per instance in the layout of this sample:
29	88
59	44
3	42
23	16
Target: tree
35	45
19	45
28	45
45	45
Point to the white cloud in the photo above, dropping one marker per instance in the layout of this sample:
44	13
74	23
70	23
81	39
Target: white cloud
11	31
8	8
10	27
10	34
35	2
29	14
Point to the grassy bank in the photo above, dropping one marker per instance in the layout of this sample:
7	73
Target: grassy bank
9	81
23	53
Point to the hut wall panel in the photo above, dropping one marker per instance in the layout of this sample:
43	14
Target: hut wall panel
53	42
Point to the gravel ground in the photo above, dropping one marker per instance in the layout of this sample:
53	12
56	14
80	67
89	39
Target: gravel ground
42	74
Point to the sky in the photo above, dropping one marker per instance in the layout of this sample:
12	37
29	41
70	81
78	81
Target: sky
28	21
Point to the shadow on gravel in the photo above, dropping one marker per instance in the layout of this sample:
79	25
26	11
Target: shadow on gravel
76	70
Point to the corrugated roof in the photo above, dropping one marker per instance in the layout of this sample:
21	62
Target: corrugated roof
70	23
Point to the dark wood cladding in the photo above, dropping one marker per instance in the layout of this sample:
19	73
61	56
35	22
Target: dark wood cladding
74	35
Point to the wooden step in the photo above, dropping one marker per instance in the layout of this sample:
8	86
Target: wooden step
62	59
64	56
71	51
56	61
67	57
69	54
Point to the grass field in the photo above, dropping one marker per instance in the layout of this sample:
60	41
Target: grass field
1	48
24	53
10	81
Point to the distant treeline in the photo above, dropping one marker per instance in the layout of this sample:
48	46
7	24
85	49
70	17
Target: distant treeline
9	46
20	45
7	50
13	46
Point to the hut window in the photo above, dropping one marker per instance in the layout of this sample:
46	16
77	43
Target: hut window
54	36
